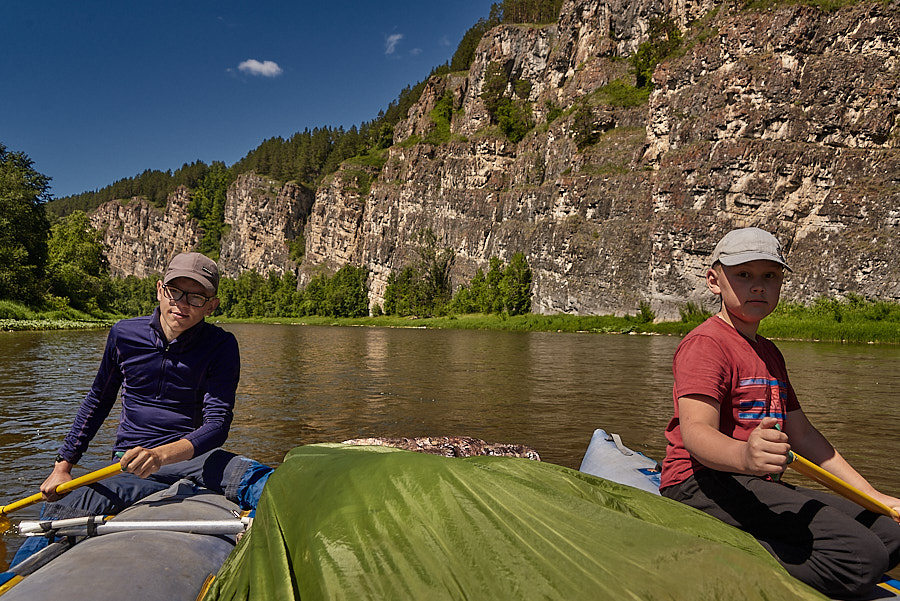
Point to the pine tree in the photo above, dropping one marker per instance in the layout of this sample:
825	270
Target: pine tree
208	207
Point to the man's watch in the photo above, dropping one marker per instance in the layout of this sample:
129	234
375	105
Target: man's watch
60	458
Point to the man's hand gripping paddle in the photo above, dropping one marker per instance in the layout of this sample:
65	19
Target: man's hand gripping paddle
90	478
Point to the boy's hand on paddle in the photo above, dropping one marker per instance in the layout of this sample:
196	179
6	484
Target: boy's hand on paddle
892	502
766	449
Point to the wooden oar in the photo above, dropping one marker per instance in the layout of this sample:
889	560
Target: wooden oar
90	478
829	480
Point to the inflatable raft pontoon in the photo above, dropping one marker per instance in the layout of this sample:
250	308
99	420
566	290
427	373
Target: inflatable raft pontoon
151	551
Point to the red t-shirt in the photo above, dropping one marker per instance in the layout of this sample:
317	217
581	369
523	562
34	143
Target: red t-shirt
749	379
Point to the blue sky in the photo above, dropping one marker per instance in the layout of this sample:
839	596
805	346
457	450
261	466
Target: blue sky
95	91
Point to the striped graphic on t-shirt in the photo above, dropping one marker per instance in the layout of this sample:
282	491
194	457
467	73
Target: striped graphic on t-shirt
761	406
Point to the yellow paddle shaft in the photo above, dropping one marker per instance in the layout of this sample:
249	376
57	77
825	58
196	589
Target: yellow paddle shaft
86	479
829	480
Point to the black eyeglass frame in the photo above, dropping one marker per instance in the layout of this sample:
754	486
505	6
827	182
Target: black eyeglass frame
176	294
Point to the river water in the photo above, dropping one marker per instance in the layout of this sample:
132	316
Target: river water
309	384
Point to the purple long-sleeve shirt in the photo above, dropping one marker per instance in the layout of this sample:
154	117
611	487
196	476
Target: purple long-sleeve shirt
183	389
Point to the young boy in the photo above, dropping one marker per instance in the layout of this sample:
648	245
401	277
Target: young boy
178	376
736	418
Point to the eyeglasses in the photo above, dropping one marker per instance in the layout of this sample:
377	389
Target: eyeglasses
193	299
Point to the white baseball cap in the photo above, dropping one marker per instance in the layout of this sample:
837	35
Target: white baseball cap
748	244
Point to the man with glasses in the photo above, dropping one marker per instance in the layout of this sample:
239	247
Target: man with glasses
178	375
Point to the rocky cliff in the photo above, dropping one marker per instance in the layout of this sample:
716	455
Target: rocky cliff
790	119
786	117
262	218
140	238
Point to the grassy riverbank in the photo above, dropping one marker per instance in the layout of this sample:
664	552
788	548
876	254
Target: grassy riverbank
833	321
14	316
854	320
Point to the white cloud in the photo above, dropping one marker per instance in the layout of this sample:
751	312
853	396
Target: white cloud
263	69
390	43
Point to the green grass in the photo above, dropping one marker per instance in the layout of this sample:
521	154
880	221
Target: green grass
373	158
829	331
853	319
14	316
621	94
529	323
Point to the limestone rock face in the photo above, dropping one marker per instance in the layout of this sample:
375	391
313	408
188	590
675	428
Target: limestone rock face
141	239
263	217
787	118
332	234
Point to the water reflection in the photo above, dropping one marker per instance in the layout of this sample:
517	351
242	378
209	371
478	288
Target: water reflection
549	391
43	377
303	384
850	393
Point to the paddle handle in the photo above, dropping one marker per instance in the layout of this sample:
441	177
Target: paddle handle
86	479
826	478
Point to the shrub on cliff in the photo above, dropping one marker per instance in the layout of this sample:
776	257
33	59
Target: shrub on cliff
512	113
664	40
441	116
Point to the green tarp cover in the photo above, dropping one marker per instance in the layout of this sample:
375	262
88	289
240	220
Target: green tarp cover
343	522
